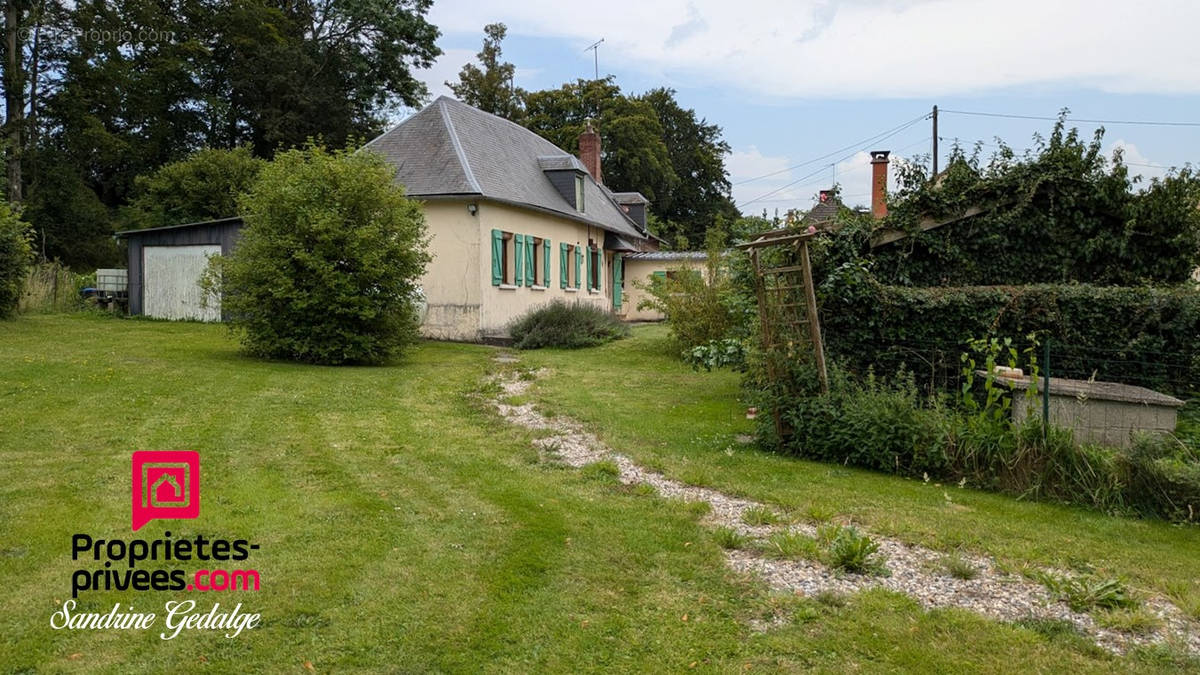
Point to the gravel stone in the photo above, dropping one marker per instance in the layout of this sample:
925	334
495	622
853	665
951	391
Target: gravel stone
915	571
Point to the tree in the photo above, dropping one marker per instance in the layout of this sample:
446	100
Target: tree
278	73
490	88
15	255
120	88
327	266
205	186
635	157
697	153
650	144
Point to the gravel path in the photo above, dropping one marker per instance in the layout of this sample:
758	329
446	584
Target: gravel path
915	571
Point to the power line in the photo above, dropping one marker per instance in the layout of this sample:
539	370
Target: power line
763	198
1073	119
872	139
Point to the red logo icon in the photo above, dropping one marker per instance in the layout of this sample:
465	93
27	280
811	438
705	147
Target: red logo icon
166	485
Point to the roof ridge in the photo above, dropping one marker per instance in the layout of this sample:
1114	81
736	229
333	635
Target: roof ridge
458	149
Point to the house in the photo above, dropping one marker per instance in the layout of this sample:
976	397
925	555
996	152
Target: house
647	265
514	222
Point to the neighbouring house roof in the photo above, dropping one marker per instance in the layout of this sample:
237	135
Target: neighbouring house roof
824	212
667	256
450	149
630	198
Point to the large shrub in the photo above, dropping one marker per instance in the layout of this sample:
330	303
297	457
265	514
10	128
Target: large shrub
566	325
1139	335
702	304
15	257
327	265
1061	212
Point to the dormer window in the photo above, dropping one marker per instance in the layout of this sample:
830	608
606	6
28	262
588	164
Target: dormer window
579	193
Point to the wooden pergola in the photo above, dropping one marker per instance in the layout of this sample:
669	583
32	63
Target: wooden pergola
787	301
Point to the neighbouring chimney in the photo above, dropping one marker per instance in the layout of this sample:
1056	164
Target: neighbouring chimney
589	151
879	177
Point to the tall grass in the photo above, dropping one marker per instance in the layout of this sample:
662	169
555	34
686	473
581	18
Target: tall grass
52	287
889	426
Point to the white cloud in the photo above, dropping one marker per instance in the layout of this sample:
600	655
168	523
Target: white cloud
872	48
445	69
1139	164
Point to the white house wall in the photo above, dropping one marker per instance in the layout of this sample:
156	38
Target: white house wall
501	305
452	280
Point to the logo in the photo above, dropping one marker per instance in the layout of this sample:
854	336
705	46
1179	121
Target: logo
166	485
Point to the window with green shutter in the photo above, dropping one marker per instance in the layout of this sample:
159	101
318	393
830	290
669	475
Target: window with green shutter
618	280
563	251
578	265
590	266
518	259
531	260
497	257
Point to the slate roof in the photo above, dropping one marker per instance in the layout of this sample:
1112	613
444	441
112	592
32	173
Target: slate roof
449	148
825	211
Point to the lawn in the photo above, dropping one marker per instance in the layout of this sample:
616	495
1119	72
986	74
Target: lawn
404	527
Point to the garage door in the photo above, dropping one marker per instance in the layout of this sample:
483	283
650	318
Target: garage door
171	276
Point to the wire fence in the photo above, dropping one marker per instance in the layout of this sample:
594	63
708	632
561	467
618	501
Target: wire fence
939	367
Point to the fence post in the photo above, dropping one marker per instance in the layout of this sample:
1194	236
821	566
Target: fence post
1046	391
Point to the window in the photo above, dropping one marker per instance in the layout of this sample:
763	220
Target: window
565	254
506	258
579	193
520	260
595	260
537	265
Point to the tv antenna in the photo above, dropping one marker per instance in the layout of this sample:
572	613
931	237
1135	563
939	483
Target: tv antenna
595	47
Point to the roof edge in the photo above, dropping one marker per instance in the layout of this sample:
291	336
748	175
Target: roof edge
217	221
458	149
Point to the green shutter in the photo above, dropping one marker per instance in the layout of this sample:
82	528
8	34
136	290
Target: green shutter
660	275
578	265
562	265
518	259
545	263
618	272
497	257
530	262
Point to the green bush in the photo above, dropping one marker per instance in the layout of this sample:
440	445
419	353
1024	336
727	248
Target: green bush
567	326
887	426
1138	335
1062	212
876	425
856	552
204	186
705	312
328	262
15	257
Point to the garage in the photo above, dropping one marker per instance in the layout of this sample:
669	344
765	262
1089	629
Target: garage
171	282
166	263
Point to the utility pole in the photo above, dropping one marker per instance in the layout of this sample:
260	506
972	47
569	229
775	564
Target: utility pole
595	47
935	143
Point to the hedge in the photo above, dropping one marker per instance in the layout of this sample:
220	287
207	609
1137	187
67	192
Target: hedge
1148	336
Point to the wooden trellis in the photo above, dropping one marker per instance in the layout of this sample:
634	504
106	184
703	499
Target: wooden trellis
787	302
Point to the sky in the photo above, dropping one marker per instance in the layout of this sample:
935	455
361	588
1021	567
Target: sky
803	89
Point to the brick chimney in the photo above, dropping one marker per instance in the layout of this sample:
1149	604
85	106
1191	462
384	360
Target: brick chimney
879	178
589	151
